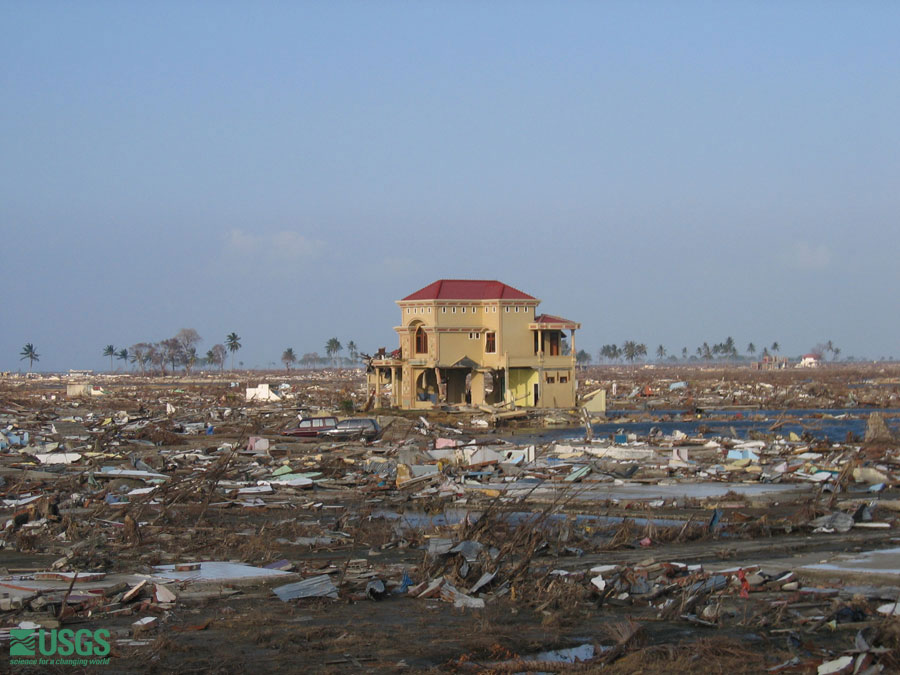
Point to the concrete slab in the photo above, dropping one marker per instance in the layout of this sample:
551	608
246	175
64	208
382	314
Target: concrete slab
218	572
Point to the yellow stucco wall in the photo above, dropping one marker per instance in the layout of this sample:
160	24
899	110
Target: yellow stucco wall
521	385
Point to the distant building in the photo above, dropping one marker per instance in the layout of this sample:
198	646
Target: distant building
477	342
770	363
810	361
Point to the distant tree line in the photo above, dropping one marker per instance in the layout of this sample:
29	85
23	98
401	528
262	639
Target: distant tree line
721	351
167	356
332	350
180	351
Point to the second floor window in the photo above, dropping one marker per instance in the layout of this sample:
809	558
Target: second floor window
421	341
490	343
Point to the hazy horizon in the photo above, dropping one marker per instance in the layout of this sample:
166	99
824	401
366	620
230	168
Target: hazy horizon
670	173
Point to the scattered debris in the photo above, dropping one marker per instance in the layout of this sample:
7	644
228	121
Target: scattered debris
162	509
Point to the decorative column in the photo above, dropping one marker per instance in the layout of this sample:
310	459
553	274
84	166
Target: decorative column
377	387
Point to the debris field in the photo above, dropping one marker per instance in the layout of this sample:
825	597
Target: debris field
712	520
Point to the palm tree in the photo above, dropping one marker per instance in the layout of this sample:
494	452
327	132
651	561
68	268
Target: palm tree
140	355
288	358
751	349
611	352
775	347
660	352
233	342
109	351
729	347
332	347
29	353
354	351
122	355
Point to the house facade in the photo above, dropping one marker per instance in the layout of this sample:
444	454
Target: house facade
476	342
809	361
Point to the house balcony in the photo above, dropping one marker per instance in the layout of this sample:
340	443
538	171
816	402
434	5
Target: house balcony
538	360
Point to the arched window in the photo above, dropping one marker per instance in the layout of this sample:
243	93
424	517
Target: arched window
421	341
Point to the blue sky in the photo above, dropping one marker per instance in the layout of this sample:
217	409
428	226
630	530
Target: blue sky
666	172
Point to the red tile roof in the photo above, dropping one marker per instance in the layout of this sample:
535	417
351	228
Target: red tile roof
468	289
549	318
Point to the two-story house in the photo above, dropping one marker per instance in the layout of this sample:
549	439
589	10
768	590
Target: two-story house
476	342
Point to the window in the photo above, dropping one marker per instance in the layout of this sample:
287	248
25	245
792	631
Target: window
409	310
563	379
495	309
517	310
537	344
443	310
429	310
490	343
463	310
550	379
474	310
454	310
473	336
507	309
421	341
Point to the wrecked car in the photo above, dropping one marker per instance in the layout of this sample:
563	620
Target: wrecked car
311	426
355	428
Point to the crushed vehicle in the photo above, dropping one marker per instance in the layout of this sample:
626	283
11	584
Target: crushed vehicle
351	429
311	426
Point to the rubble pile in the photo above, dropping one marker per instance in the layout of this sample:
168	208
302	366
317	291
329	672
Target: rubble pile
173	511
718	386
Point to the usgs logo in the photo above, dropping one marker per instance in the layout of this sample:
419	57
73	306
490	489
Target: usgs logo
65	642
